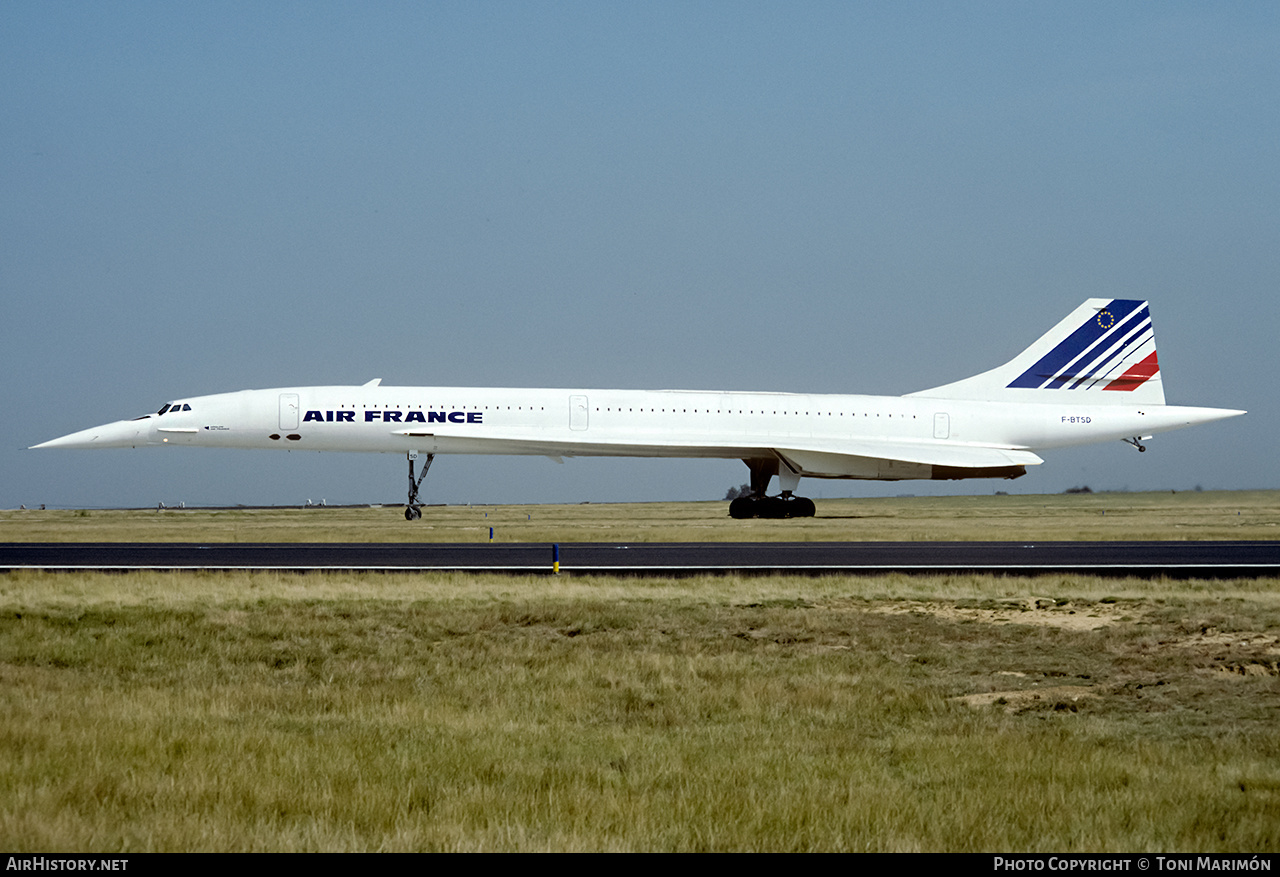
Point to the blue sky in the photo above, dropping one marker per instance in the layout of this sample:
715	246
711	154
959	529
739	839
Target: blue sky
814	197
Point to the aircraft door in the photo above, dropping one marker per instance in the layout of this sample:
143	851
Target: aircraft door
288	410
578	416
941	426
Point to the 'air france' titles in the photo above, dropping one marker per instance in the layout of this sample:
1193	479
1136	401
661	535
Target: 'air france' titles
395	416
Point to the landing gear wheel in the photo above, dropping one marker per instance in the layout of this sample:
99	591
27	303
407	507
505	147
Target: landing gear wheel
803	507
412	514
758	504
775	507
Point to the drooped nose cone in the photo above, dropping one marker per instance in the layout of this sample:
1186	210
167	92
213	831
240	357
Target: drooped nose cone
121	434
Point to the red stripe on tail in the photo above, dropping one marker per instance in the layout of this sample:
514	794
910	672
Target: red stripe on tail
1136	376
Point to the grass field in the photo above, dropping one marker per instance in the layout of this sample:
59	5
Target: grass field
1127	516
267	711
331	712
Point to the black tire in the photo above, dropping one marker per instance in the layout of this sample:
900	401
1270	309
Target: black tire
802	507
772	507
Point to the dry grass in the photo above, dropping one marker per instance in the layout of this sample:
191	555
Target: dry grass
274	711
265	711
1121	516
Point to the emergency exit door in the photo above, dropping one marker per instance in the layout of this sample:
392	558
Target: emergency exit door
578	416
288	410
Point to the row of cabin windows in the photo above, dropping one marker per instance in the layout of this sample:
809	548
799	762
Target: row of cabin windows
452	407
609	409
740	411
183	406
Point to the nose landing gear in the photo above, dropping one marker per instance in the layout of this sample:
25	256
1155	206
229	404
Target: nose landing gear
413	510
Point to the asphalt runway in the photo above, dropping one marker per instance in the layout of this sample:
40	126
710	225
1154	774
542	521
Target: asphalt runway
1176	559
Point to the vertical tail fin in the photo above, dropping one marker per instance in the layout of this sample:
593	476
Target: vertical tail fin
1103	345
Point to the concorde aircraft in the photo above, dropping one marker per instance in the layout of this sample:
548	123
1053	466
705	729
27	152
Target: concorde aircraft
1093	377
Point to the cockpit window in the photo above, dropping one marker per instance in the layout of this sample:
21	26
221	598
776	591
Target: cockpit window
162	410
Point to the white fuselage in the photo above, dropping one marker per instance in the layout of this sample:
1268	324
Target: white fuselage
833	436
1093	377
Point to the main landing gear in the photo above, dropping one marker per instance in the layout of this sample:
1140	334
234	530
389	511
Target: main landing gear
413	510
759	505
782	506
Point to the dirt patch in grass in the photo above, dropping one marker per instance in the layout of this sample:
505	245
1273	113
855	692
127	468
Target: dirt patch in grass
1129	657
1058	697
1212	637
1245	669
1039	611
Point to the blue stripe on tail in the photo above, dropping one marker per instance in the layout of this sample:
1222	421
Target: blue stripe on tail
1049	367
1136	330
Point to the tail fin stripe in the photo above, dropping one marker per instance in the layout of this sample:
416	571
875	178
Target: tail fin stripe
1102	376
1092	362
1135	337
1136	376
1102	344
1078	342
1085	368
